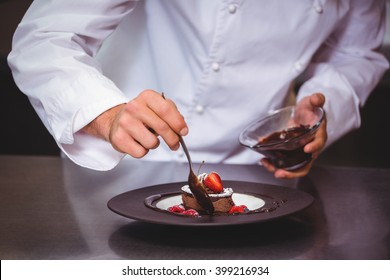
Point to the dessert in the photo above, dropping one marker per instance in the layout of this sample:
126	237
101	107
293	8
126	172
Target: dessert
221	198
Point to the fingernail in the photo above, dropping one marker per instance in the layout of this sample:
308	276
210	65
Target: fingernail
184	131
176	147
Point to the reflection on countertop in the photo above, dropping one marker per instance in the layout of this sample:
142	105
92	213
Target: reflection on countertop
52	209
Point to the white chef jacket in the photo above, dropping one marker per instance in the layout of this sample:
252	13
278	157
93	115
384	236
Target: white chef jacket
224	63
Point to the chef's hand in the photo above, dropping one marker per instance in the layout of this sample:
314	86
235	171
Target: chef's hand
314	147
133	128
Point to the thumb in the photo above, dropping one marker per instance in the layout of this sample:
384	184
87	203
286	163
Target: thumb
317	100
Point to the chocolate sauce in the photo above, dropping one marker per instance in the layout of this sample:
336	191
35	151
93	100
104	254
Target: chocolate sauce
282	151
275	205
285	135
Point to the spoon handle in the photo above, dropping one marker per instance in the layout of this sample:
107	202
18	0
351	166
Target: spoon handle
200	194
183	145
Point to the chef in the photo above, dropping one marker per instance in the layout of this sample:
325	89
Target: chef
94	71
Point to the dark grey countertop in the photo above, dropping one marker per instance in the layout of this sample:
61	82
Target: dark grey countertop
52	209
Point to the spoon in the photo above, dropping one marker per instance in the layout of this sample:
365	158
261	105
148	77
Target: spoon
195	185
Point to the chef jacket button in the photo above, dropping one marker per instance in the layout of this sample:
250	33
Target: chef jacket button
298	66
318	8
180	153
215	66
232	8
199	109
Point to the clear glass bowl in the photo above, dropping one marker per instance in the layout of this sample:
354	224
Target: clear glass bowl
281	135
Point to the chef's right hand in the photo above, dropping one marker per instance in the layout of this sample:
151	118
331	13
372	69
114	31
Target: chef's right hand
134	128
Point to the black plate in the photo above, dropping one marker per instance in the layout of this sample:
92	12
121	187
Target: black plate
131	204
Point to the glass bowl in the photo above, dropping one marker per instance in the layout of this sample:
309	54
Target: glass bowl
281	135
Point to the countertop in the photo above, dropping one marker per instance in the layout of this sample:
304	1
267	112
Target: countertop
51	208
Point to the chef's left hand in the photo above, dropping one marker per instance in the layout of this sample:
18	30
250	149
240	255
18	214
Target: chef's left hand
314	147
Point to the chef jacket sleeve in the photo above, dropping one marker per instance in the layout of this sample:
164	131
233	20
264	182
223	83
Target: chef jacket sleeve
348	66
52	60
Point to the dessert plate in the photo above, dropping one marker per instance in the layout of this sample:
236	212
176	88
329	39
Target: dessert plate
147	204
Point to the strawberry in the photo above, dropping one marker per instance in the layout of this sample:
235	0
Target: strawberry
213	182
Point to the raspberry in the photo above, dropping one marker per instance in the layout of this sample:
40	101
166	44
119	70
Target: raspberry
236	209
191	212
176	209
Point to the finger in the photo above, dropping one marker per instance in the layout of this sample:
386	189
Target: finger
301	172
268	165
144	125
128	133
131	123
284	174
124	143
183	131
157	126
166	110
148	139
314	148
318	144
